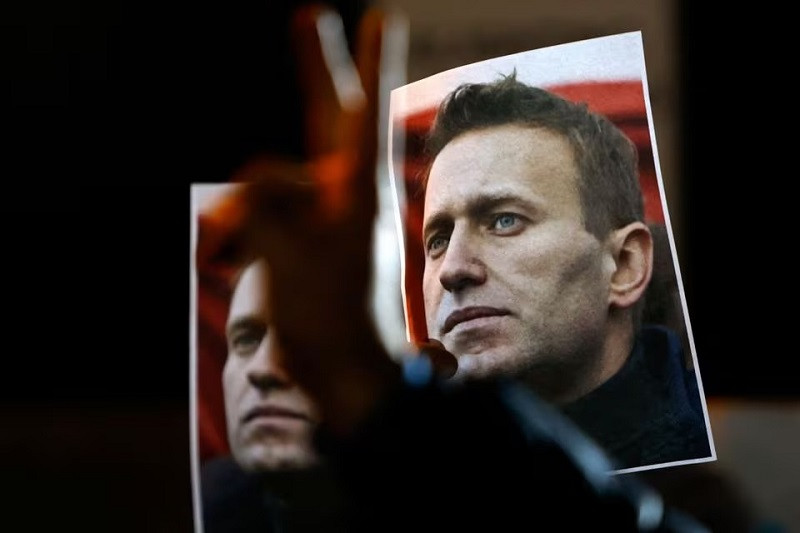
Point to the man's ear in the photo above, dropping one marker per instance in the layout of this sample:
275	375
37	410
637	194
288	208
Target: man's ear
632	249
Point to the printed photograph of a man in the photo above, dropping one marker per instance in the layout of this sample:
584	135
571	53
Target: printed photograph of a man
269	419
537	255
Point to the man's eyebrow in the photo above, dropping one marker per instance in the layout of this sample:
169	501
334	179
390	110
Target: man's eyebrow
244	322
486	203
435	222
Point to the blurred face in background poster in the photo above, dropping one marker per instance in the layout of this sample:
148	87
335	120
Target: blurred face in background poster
270	420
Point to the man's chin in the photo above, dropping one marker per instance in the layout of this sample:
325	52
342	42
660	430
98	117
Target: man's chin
489	364
279	458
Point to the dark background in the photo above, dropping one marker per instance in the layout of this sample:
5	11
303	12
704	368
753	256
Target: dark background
98	153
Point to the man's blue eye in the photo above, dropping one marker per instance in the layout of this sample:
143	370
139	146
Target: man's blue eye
436	243
505	221
247	342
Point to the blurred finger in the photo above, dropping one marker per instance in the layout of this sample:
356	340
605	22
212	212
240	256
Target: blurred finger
328	77
368	51
343	71
336	106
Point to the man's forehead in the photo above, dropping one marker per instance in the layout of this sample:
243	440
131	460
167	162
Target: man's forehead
502	162
499	141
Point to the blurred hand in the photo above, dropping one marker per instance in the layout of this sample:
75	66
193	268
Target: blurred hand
313	221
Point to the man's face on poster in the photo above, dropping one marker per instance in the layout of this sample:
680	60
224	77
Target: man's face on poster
513	281
270	420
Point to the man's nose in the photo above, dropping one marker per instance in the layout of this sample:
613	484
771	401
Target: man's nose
265	369
462	265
